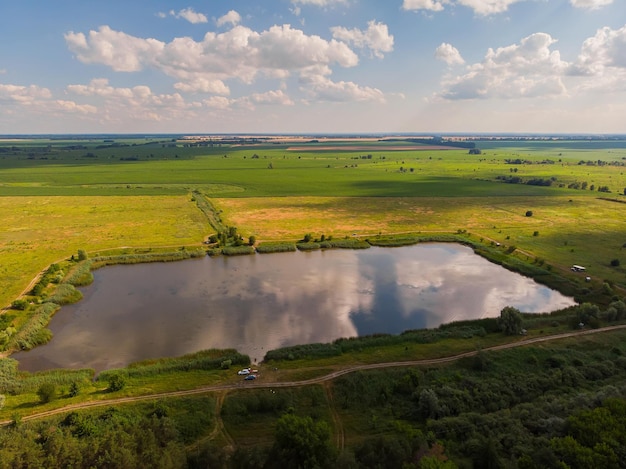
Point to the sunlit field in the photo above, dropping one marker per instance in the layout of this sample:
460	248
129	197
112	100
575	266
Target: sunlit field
38	231
60	196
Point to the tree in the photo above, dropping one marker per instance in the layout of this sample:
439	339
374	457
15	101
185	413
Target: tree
428	404
82	255
301	443
252	240
615	263
46	392
510	320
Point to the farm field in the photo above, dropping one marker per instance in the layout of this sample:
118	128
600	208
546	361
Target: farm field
57	196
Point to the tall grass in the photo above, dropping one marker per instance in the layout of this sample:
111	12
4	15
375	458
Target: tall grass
34	331
13	381
354	344
203	360
183	254
268	248
80	275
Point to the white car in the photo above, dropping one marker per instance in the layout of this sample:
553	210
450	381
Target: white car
245	371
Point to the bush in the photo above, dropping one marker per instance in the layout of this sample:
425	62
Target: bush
529	213
615	263
46	392
20	305
116	382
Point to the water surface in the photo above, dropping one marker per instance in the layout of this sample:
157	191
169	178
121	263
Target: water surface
262	302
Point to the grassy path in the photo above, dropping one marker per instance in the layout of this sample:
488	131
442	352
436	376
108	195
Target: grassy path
317	380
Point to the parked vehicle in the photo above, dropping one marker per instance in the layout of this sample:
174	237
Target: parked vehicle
245	371
250	377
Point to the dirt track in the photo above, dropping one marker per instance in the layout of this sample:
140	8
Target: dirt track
318	380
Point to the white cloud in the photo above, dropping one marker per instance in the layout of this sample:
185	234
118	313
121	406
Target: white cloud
480	7
190	15
23	94
200	84
39	100
232	17
527	69
71	106
319	3
321	88
449	54
136	103
376	38
590	4
239	53
271	97
217	102
488	7
432	5
603	58
161	15
118	50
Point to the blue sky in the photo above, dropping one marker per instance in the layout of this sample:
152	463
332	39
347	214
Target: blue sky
312	66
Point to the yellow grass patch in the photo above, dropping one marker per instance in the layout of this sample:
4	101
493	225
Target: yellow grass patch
38	231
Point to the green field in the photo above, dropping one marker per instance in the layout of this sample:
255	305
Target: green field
57	196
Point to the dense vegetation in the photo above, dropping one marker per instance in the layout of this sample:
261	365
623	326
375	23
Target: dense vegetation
530	206
560	404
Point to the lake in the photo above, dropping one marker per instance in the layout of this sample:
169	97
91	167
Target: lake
262	302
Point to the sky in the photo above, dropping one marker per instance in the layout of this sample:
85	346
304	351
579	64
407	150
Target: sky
312	66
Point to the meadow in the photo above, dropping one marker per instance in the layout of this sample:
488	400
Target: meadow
57	196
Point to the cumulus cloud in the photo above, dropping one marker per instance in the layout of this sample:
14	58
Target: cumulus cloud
603	57
449	54
203	66
40	100
488	7
217	102
527	69
201	84
590	4
23	94
376	38
431	5
321	88
118	50
190	15
272	97
319	3
480	7
232	17
138	102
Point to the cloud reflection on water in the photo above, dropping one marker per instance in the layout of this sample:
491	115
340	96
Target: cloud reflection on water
258	303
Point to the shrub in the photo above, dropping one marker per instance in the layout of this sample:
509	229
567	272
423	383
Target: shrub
46	392
529	213
20	304
615	263
116	382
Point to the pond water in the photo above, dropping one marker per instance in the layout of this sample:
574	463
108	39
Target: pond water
262	302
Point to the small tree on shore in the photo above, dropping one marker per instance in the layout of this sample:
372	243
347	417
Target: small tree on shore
510	320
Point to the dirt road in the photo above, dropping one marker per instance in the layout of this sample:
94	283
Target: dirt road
320	379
